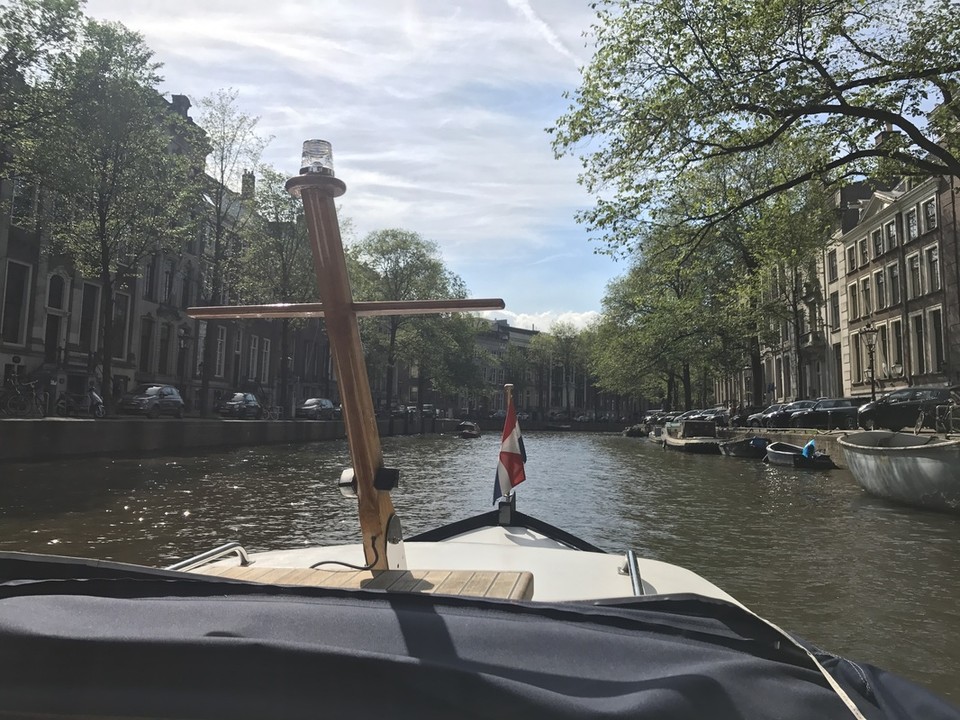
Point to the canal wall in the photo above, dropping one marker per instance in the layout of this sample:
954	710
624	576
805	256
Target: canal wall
52	438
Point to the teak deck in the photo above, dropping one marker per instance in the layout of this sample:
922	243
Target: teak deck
513	585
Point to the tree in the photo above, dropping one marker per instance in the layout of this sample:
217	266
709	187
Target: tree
117	192
399	265
277	246
672	84
234	150
36	36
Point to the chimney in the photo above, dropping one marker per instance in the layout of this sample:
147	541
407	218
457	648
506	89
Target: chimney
881	137
247	185
180	104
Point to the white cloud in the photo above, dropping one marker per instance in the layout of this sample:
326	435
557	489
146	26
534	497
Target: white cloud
436	113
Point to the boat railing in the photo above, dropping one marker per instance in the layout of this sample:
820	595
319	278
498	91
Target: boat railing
633	569
230	548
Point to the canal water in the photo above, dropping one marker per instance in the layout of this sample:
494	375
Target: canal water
810	551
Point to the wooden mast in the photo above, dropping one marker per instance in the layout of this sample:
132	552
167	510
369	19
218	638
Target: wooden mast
318	187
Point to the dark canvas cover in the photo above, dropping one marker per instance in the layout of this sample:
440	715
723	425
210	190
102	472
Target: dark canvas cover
102	639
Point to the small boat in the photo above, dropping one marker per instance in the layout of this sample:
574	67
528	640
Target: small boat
919	470
468	429
752	447
693	436
781	453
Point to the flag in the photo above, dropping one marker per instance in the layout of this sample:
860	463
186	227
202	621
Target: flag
512	456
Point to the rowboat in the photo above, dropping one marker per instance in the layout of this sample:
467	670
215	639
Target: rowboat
781	453
752	447
497	615
919	470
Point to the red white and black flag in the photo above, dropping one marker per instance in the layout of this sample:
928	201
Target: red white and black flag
512	454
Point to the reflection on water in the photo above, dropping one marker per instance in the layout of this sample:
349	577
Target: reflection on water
862	577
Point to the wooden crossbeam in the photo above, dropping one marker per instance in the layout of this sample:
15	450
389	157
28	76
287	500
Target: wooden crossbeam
378	307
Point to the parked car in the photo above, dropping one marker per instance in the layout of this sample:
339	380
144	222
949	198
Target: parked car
153	401
828	414
742	417
781	417
316	409
756	420
242	405
902	408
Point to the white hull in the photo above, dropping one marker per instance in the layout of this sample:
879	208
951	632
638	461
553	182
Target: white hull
559	573
919	470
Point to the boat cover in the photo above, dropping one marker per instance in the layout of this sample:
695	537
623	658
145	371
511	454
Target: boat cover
92	639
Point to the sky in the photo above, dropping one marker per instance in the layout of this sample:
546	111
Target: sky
437	112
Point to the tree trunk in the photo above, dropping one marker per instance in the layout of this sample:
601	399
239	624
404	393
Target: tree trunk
687	388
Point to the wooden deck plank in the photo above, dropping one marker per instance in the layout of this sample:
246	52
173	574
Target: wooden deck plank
479	584
455	582
515	585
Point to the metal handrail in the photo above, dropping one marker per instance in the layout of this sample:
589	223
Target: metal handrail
633	567
210	555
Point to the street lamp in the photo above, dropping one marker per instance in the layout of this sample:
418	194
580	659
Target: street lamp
869	334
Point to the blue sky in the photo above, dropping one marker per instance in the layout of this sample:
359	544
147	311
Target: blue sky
437	114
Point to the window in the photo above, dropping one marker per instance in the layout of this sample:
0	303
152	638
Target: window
832	266
933	269
856	364
835	311
15	303
853	310
864	252
883	347
913	277
881	288
265	361
252	357
893	275
56	292
146	344
851	258
221	347
891	232
149	273
166	289
187	291
912	230
929	214
121	311
896	343
935	324
163	362
877	238
23	203
866	307
917	349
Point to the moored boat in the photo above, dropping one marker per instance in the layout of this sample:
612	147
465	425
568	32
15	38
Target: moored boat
693	436
920	470
467	429
752	447
788	455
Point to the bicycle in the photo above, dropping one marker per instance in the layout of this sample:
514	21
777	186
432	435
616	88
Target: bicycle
272	413
19	403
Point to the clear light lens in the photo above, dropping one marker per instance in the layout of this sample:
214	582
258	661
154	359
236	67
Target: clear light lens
317	158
